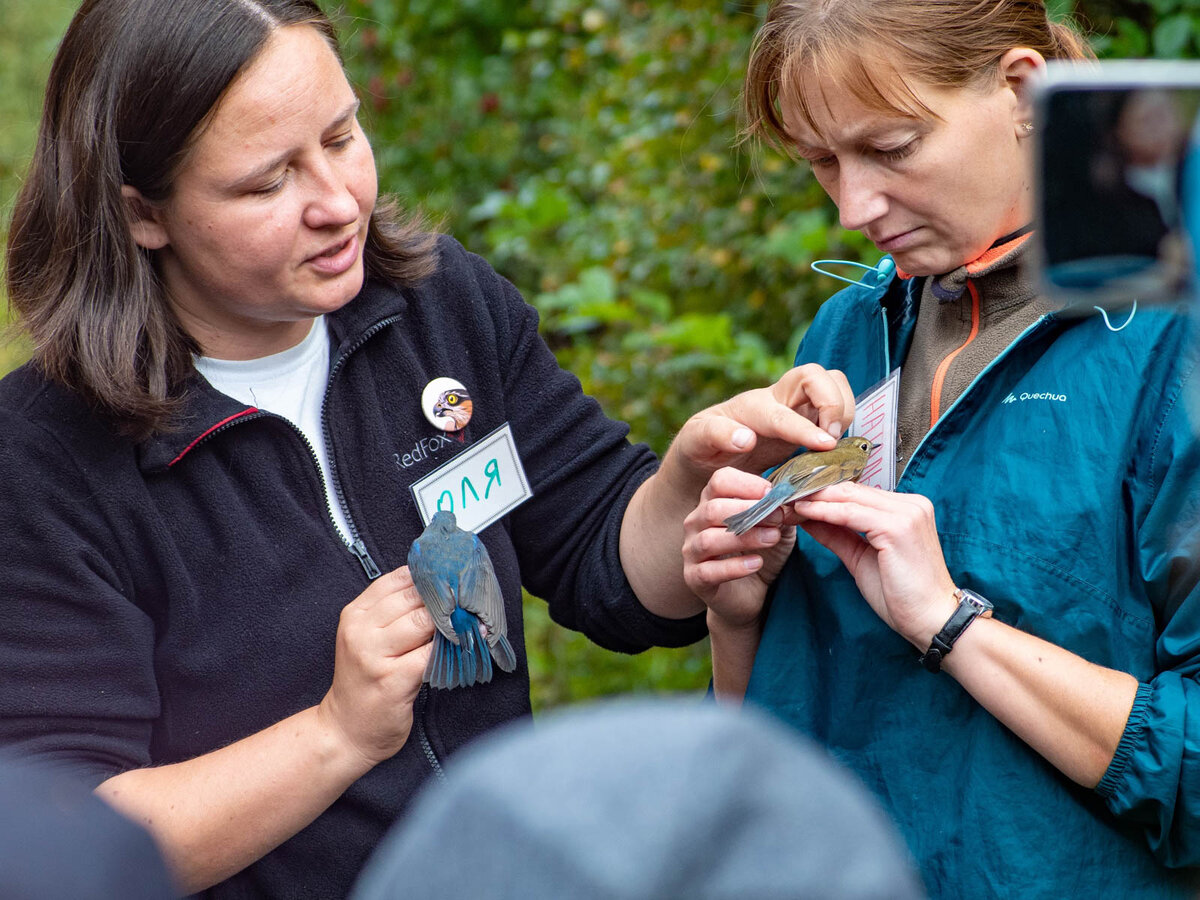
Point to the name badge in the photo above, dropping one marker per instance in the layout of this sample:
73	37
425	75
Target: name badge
875	418
479	485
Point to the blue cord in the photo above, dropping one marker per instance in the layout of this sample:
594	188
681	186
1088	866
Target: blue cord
1109	324
882	271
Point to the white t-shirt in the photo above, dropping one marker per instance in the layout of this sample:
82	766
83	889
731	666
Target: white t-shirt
290	384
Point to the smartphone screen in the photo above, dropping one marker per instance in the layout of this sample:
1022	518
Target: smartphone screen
1117	193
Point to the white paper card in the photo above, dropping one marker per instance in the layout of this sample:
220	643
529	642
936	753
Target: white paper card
875	419
479	485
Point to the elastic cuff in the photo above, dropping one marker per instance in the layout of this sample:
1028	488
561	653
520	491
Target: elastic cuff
1132	735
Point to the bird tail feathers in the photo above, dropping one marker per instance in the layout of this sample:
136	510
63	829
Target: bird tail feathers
468	662
502	653
742	522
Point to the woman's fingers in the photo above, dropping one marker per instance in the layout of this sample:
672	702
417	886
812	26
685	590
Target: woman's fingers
716	541
387	619
867	509
712	554
709	439
375	640
808	407
824	395
703	578
386	586
383	644
729	491
771	418
890	545
843	543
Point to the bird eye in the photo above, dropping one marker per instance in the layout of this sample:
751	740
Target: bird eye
452	399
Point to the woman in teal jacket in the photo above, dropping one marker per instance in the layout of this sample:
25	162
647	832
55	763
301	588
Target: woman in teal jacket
1051	746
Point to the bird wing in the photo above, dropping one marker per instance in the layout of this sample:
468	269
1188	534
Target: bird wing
434	591
795	473
792	481
479	591
816	478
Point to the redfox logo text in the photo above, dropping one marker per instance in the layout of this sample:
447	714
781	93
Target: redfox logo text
1015	398
423	449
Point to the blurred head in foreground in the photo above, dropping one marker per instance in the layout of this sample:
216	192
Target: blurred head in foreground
643	800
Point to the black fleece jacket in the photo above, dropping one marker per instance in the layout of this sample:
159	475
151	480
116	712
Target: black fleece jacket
160	600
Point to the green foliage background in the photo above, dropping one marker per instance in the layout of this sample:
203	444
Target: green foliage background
587	148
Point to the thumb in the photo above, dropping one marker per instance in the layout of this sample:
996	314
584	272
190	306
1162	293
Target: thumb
710	442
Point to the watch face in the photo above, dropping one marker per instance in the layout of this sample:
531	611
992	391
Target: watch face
981	603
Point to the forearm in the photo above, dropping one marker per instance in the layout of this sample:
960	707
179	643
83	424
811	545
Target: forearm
733	651
1069	710
214	815
652	540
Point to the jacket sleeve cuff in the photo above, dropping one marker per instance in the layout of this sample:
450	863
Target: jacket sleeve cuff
1135	727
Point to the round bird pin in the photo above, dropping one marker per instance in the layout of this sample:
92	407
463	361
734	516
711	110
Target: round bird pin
446	404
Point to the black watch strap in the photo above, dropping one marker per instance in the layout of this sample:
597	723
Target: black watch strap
970	607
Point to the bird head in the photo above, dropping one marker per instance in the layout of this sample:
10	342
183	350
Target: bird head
454	404
443	520
857	442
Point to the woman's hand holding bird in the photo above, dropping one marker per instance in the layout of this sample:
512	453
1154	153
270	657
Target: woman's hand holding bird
383	643
890	545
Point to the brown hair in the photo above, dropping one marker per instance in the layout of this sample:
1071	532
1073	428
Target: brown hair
133	84
862	43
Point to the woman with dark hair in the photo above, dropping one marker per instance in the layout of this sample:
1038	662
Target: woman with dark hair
211	471
1017	677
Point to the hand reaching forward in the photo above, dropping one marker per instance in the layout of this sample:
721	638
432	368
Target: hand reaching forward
752	431
383	643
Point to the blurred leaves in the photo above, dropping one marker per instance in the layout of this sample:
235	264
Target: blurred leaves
1165	29
588	150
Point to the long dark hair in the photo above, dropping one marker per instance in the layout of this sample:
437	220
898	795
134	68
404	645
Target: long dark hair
133	83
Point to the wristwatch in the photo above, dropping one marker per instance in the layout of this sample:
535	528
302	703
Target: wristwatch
970	607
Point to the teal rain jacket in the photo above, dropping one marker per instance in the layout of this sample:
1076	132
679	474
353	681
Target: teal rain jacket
1066	484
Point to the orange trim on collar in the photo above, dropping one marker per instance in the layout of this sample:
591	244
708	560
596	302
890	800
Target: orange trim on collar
989	256
994	253
939	376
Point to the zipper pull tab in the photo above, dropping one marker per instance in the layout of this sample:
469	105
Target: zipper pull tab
359	549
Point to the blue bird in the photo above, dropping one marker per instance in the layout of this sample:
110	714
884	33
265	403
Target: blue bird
456	581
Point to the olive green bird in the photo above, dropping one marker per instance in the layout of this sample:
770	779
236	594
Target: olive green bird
806	474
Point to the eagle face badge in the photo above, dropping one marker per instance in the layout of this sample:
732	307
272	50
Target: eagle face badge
446	404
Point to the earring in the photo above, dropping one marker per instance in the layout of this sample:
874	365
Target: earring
1028	126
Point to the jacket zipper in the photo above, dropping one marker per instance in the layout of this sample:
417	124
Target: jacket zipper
1019	338
246	417
356	545
419	712
421	706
